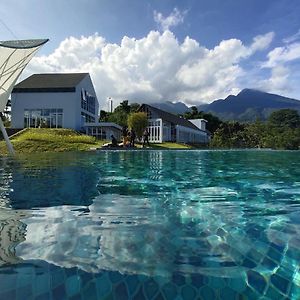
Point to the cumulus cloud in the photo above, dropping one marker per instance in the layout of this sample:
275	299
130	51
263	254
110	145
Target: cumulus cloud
279	80
282	55
279	62
165	23
155	68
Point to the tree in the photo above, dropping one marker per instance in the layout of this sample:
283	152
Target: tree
120	114
138	122
104	116
134	107
123	107
285	118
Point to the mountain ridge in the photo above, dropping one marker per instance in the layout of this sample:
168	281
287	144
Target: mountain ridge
247	105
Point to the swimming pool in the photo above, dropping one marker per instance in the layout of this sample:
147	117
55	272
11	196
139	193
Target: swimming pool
150	225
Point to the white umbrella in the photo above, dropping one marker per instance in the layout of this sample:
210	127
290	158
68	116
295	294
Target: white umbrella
14	57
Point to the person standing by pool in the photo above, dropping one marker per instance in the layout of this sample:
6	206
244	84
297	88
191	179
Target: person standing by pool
146	138
132	137
125	136
114	142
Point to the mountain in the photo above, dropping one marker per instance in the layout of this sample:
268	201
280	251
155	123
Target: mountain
174	108
249	105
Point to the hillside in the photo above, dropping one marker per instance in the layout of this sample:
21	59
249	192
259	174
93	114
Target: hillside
249	105
50	140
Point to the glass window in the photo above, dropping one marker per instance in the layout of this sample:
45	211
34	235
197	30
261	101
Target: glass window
43	118
59	123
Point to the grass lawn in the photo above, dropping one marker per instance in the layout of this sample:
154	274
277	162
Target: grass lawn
169	145
50	140
62	140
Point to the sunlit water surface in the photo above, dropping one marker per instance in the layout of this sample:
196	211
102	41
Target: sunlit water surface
150	225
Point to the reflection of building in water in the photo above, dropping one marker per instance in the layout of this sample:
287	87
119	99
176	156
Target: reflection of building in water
12	233
58	183
156	164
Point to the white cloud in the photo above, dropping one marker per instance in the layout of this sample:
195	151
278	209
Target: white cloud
279	80
292	38
282	55
262	42
165	23
154	68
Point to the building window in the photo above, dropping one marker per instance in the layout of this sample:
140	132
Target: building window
88	102
87	118
98	132
43	118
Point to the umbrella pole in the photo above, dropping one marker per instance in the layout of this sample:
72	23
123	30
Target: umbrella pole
8	143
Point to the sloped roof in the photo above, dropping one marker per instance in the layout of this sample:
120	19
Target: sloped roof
170	117
51	82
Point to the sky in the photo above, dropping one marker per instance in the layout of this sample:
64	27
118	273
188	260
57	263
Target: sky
193	51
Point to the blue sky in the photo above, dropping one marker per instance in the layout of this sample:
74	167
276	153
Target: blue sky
192	51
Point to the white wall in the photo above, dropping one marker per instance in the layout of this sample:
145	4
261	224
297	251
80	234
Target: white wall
70	103
200	123
189	135
23	101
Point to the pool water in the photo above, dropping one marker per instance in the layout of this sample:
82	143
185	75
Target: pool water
150	225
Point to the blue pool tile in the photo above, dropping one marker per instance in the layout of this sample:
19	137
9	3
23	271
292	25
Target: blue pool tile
8	295
294	292
215	282
45	296
59	292
159	296
57	278
274	254
76	297
280	283
8	282
24	292
150	288
197	280
178	279
41	284
133	284
227	293
89	292
73	285
238	284
188	292
248	263
273	293
207	293
103	285
139	295
24	280
256	281
169	290
115	277
269	264
251	294
86	277
70	271
120	291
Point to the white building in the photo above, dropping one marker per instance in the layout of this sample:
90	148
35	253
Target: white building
55	101
59	100
166	127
